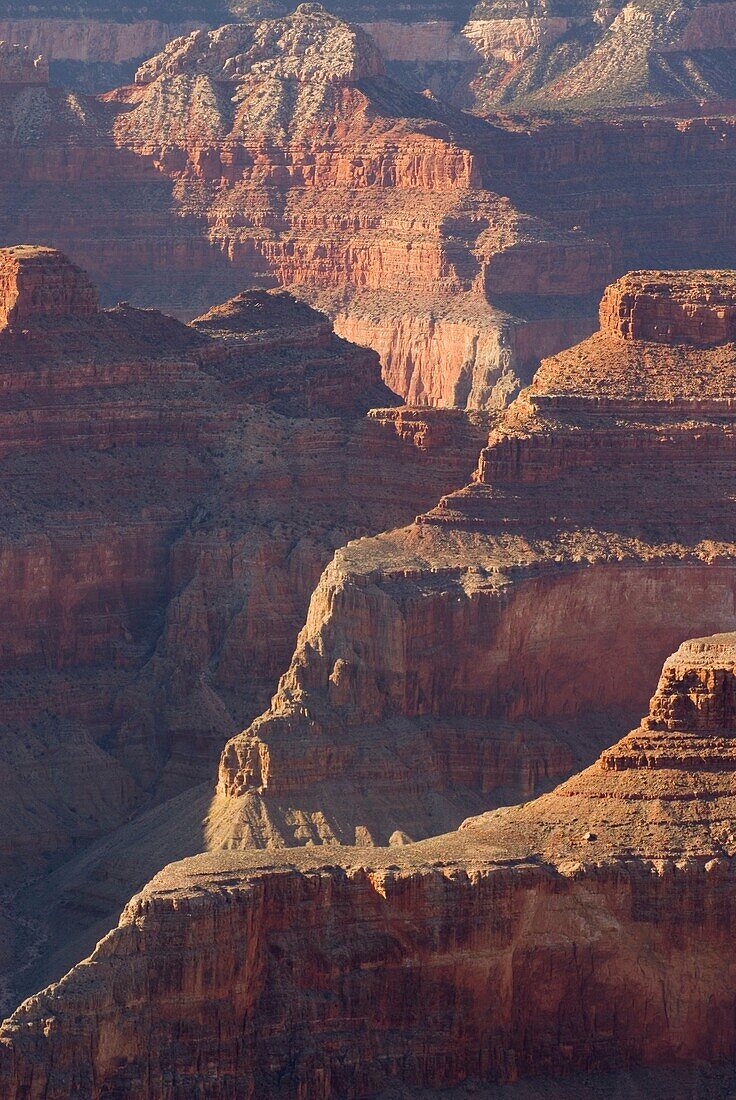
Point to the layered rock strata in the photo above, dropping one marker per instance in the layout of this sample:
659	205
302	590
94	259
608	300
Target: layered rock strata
476	654
684	309
588	931
169	496
281	152
583	55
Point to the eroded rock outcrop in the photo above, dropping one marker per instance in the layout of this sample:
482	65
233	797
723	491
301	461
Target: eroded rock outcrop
39	285
285	355
477	652
589	930
169	497
280	151
283	152
697	308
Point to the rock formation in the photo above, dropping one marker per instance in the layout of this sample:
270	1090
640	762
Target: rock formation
283	152
280	152
579	55
682	309
169	497
90	51
38	286
477	654
587	932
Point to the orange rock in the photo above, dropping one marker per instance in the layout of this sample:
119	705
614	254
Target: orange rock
38	284
695	307
473	655
585	932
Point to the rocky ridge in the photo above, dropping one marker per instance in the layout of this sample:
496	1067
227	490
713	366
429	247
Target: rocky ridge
587	519
283	152
573	56
166	512
585	932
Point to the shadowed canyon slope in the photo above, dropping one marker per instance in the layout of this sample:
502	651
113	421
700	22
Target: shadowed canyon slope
284	152
589	931
481	651
169	497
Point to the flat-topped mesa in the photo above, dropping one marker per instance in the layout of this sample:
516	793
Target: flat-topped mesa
310	46
39	285
21	65
658	377
672	307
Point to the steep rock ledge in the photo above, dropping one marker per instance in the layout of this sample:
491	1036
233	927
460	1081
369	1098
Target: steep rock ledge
589	930
473	655
169	496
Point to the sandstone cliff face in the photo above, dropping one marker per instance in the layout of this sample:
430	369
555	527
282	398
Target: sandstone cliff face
588	930
91	40
693	308
473	642
38	285
170	495
280	152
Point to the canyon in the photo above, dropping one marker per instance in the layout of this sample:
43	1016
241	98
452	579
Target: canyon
167	509
483	56
483	651
447	671
588	931
367	456
283	152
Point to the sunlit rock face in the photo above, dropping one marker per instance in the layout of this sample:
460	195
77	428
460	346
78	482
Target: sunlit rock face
471	656
581	934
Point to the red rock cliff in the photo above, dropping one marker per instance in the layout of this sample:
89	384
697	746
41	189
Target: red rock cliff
588	930
163	527
456	643
697	308
38	285
280	151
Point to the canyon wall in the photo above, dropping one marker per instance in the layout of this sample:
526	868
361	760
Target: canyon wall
282	152
481	57
91	40
586	931
436	633
167	510
196	181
